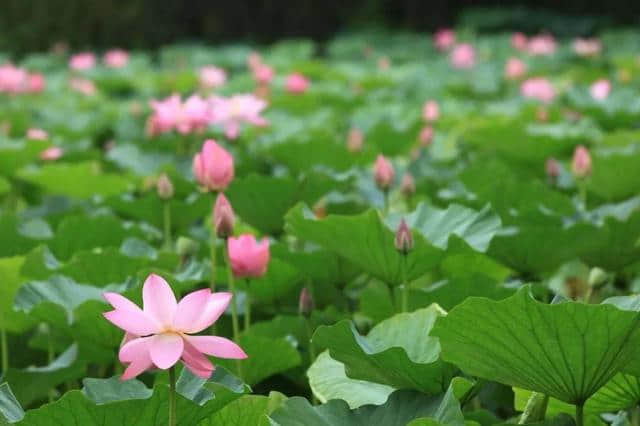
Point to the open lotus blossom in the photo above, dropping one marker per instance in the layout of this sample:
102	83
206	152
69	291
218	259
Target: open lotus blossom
444	38
249	258
263	74
383	172
519	41
514	68
172	114
430	111
18	80
587	46
600	89
581	162
51	154
82	61
538	88
116	58
212	77
37	134
426	136
213	166
163	332
463	56
82	85
296	83
542	44
236	110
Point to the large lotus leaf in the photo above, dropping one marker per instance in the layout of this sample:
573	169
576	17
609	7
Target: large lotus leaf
567	350
249	410
11	229
365	241
398	352
615	173
10	283
16	154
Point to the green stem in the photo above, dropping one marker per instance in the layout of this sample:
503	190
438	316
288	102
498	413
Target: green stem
214	240
312	351
536	408
405	284
247	310
635	416
385	192
50	357
4	347
167	225
172	396
579	414
582	191
234	301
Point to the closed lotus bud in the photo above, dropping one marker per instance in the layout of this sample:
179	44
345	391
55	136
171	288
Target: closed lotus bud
164	187
581	163
597	277
213	166
249	258
383	172
186	246
552	168
355	140
408	186
426	136
404	239
223	217
305	303
430	111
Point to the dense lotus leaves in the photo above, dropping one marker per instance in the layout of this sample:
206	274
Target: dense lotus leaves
10	230
16	154
249	410
521	342
398	352
615	172
11	282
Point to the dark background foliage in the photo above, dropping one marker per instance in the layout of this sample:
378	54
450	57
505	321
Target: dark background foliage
29	25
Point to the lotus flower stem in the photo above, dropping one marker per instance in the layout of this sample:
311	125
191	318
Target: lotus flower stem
386	202
50	357
579	414
536	408
247	310
167	225
214	240
312	351
234	303
582	188
405	284
172	396
4	347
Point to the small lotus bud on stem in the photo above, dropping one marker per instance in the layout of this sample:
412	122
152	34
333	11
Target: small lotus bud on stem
404	239
164	187
408	186
581	163
305	303
383	172
223	217
553	169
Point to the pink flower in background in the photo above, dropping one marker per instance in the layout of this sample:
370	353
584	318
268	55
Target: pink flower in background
383	172
223	217
83	85
355	140
249	258
212	77
542	44
213	166
538	88
263	74
519	41
194	115
587	46
514	68
232	112
51	154
164	115
600	89
552	168
296	83
116	58
430	111
444	38
463	56
82	61
426	136
162	333
384	63
581	162
36	83
254	60
37	134
12	79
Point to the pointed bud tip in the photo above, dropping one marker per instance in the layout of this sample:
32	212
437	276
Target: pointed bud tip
404	239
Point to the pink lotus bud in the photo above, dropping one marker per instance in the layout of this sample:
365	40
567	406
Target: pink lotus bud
83	85
51	154
223	217
355	140
82	61
430	111
249	259
519	41
383	172
404	239
581	163
296	83
426	136
212	77
463	56
116	58
36	83
408	186
587	46
552	168
164	187
384	63
213	166
514	69
444	38
305	302
600	89
263	74
37	134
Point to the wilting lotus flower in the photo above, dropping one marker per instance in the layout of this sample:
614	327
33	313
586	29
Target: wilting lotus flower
581	162
519	41
263	74
430	111
83	85
542	44
587	46
600	89
355	140
82	61
383	172
444	38
296	83
463	56
212	77
249	258
426	136
538	88
213	166
232	112
51	154
223	217
37	134
116	58
514	68
162	333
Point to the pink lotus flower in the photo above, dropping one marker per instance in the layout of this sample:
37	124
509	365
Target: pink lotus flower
212	77
383	172
538	88
51	154
82	61
600	89
249	259
408	185
171	114
430	111
36	83
355	140
161	334
254	60
519	41
223	217
463	56
232	112
263	74
213	166
37	134
296	83
18	80
116	58
514	68
552	168
542	44
587	46
426	136
83	85
444	38
581	162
